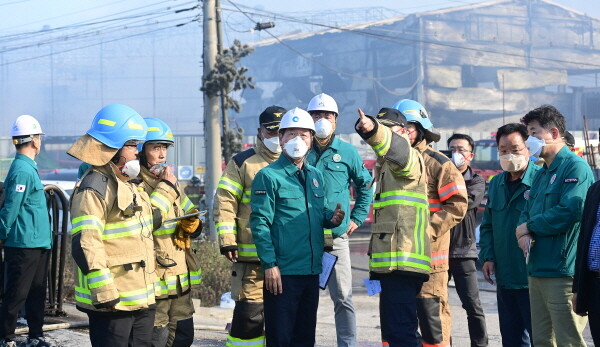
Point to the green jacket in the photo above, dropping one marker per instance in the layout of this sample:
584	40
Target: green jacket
288	217
553	214
497	238
340	164
24	218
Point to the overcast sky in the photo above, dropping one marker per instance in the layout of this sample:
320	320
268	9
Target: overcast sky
31	15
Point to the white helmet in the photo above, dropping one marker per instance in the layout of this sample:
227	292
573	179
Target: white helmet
26	125
323	102
297	118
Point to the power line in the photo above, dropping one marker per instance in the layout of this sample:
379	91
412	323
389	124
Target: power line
395	39
13	3
95	44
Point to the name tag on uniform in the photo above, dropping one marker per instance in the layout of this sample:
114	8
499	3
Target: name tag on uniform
571	180
260	192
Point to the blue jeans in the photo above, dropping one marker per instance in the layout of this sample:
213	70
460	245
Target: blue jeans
291	317
514	314
340	291
398	310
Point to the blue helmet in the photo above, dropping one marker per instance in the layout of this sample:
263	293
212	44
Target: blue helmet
416	113
116	124
158	132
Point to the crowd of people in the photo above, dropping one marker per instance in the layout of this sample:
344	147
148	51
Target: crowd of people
282	204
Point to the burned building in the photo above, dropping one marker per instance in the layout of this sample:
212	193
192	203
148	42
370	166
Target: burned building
474	66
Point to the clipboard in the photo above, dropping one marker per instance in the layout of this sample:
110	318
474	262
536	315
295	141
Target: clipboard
328	262
199	213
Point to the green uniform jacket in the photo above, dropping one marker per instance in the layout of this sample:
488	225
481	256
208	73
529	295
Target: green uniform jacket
553	214
497	238
24	219
288	218
340	163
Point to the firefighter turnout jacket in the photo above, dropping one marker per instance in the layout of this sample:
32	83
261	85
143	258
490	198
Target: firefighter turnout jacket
168	276
400	241
448	201
112	224
232	201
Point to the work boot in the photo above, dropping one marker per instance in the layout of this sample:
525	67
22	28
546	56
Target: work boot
7	343
37	342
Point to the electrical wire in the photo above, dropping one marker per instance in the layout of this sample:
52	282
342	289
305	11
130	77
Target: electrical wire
396	39
95	44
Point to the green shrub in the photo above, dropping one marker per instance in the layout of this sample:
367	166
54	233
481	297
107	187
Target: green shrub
216	273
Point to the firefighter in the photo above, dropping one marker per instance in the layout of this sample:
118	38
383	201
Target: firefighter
448	203
112	224
400	243
26	235
195	192
232	214
340	164
173	324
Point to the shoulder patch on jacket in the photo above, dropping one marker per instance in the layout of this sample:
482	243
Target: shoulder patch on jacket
241	157
94	181
437	156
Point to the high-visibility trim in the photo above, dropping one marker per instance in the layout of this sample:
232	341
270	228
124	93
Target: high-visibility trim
390	259
419	231
401	197
136	126
110	123
160	201
435	205
83	295
136	297
254	342
327	232
382	148
441	344
166	229
153	129
231	186
440	257
96	279
247	250
124	229
449	190
196	277
246	196
186	204
86	222
226	228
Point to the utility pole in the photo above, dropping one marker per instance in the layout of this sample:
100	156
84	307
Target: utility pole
224	119
212	131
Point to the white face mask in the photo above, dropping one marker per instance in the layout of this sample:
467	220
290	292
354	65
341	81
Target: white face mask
535	146
157	169
513	162
458	159
296	148
131	168
272	144
323	128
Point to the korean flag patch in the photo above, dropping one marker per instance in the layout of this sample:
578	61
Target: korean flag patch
20	188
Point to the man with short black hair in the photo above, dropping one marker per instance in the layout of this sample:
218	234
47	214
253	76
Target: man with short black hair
549	229
463	248
507	194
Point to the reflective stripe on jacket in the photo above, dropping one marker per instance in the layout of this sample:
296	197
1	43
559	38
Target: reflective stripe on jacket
232	200
400	240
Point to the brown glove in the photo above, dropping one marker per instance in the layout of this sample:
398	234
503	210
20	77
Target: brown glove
186	227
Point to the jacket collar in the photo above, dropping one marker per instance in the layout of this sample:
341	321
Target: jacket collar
148	177
334	144
264	151
468	174
421	146
563	154
529	173
27	160
289	167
